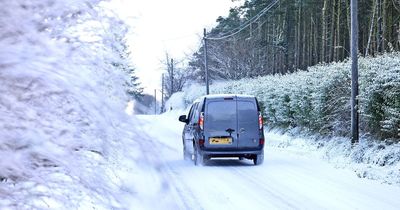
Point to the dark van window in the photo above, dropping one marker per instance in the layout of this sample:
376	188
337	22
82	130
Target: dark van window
220	113
247	112
196	113
193	116
190	115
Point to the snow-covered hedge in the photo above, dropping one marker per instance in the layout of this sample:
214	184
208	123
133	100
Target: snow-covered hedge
61	105
319	99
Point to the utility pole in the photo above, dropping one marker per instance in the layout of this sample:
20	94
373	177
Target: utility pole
172	76
162	93
205	62
155	101
354	72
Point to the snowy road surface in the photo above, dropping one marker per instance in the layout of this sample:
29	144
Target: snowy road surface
286	180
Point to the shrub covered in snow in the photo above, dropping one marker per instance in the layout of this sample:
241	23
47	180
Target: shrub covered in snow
319	99
61	103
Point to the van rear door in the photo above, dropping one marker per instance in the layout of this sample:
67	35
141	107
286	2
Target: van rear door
248	125
220	123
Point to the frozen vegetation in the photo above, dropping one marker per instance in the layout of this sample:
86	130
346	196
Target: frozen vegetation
316	103
319	99
63	131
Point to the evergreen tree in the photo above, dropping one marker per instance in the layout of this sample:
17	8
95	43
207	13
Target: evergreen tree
294	34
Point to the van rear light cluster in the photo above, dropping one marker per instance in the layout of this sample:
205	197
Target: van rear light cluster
201	142
201	120
261	142
260	121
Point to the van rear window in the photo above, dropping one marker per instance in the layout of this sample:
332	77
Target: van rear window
220	112
247	112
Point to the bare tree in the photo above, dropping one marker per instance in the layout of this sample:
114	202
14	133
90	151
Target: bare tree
175	78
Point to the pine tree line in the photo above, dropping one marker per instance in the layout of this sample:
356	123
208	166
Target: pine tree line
296	34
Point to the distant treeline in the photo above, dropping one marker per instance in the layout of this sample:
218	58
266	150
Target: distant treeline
295	34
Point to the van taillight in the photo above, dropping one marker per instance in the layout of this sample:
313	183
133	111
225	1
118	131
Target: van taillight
261	142
260	121
201	120
201	142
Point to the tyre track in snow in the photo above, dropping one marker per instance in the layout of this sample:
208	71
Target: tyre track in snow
254	182
269	198
170	179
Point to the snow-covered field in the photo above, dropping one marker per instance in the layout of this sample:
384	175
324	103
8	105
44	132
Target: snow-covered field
288	179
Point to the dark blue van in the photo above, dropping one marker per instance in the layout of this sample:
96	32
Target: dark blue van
223	126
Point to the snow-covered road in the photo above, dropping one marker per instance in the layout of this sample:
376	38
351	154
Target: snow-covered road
286	180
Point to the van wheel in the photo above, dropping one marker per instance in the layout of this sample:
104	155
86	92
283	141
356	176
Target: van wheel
258	159
198	158
186	154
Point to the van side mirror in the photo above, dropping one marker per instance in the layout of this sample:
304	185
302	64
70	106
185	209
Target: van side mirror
182	118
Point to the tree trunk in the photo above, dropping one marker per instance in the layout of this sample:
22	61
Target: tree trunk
337	40
371	27
323	41
384	25
380	31
332	31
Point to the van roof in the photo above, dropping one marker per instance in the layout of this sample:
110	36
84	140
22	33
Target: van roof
213	96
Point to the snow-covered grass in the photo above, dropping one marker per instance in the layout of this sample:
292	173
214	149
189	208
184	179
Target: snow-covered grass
368	159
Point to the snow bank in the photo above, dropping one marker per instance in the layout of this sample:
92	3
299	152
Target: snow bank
368	159
64	136
175	102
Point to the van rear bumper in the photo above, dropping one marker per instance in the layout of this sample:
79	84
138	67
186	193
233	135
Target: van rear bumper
231	153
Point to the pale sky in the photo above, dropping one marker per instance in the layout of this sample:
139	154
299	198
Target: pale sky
173	26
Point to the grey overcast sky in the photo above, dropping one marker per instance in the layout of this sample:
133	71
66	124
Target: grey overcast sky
160	26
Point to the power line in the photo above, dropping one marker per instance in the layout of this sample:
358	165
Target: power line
244	25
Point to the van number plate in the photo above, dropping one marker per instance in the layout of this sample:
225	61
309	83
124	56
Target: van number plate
220	140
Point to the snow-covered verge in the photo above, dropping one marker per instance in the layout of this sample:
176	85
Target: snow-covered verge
65	141
368	159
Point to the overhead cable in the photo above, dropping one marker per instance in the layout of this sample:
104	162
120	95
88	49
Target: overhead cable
244	25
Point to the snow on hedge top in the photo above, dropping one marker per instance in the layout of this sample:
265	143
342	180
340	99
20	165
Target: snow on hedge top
61	104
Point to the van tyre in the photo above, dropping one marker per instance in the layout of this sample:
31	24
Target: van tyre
259	159
198	158
186	154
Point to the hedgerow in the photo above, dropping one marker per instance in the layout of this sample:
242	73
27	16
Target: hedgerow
319	99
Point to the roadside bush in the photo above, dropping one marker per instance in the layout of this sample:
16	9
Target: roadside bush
319	99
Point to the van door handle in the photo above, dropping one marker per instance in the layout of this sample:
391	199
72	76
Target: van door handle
230	131
242	130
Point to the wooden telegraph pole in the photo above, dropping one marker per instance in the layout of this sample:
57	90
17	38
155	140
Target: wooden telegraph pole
172	76
155	101
205	62
162	93
354	72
